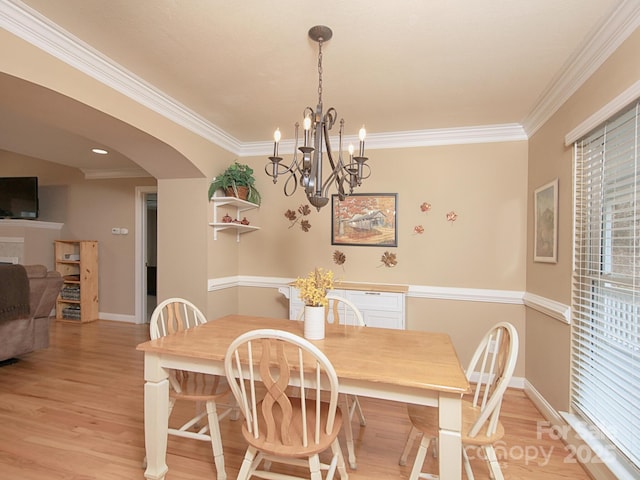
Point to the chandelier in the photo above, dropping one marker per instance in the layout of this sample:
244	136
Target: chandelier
308	163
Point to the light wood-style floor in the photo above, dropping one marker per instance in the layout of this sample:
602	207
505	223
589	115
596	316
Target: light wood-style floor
75	411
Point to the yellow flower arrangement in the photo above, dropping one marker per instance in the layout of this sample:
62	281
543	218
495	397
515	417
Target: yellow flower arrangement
313	288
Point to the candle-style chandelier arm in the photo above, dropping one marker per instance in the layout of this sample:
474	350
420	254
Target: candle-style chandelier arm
276	169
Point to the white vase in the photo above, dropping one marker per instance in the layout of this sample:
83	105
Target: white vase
313	323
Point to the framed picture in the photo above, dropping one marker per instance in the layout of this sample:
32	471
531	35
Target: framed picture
545	245
366	219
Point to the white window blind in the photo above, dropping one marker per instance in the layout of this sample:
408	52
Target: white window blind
605	376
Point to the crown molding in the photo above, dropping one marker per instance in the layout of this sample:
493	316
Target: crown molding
417	138
31	26
512	132
594	51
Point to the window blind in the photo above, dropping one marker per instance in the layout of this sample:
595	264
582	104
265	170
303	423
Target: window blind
605	375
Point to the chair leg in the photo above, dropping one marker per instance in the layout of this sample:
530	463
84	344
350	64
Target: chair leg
342	468
199	408
247	463
216	440
358	408
494	466
348	432
172	402
235	410
420	456
314	467
467	464
414	433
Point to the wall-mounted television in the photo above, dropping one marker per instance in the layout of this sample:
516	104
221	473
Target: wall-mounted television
19	197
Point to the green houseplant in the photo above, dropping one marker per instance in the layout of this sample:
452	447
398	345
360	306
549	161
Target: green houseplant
234	181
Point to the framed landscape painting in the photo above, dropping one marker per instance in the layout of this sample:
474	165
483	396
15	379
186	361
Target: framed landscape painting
545	245
365	219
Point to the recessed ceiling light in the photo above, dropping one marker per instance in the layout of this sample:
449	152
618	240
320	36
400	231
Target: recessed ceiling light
99	151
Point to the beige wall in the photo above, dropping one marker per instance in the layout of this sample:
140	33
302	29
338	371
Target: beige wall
484	183
548	341
182	239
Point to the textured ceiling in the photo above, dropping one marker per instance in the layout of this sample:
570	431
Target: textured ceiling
248	67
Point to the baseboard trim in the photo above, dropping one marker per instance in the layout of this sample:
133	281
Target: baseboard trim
547	411
117	317
578	449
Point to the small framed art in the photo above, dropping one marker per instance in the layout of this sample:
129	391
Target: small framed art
365	219
545	245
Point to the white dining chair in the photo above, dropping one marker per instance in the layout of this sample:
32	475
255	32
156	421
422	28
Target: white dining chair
282	424
175	315
489	372
341	310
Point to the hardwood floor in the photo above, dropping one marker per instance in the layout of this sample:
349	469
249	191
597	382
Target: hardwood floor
75	411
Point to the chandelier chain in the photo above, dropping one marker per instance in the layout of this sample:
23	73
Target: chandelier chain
320	72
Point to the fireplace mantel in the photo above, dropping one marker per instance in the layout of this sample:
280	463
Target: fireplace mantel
13	222
30	241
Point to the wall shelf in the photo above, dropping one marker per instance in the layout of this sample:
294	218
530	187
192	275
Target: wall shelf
239	206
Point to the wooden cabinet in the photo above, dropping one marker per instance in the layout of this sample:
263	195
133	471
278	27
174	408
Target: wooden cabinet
77	262
237	207
380	305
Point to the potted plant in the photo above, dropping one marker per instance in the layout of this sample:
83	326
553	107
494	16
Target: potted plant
236	181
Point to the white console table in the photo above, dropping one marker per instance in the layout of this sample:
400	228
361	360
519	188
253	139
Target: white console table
381	305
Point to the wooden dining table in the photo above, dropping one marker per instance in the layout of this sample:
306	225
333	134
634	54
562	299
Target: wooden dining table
399	365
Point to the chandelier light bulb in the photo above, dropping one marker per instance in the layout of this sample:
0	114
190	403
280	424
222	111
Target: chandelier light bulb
362	134
306	124
351	150
276	138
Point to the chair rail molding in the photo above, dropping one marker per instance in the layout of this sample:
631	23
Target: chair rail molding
466	294
416	291
556	310
553	309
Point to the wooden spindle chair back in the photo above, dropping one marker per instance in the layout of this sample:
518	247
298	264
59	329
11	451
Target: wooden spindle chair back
175	315
490	370
264	369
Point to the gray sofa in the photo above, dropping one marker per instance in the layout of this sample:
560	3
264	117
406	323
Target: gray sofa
27	297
